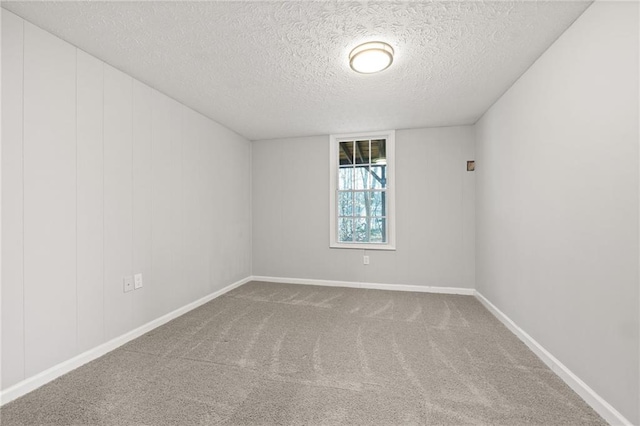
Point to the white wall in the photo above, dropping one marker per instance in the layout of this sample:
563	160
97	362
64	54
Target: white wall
557	202
434	204
104	177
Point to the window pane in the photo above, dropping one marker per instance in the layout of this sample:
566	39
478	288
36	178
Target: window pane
377	203
345	178
378	230
345	203
360	207
378	177
361	197
361	230
346	153
362	177
362	152
345	229
378	151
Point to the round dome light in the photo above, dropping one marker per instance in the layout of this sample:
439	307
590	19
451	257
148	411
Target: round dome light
372	57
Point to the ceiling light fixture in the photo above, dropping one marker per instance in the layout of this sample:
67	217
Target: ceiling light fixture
371	57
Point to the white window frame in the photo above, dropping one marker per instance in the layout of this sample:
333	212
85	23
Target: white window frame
334	141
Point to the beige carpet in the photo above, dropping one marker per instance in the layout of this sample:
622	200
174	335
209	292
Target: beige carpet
292	354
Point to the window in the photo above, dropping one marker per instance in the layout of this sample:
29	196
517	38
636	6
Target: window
362	190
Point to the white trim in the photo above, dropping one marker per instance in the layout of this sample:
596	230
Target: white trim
602	407
373	286
334	140
362	246
44	377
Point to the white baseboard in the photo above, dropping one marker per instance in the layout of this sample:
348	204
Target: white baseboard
44	377
374	286
602	407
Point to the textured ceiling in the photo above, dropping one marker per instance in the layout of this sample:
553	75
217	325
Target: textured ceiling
278	69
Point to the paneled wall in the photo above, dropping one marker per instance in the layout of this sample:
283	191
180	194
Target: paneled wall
104	177
49	182
12	201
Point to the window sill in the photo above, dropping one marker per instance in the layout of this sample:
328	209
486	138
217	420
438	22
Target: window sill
357	246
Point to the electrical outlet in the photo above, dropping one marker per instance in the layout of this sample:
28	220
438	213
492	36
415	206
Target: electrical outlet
128	283
365	260
137	281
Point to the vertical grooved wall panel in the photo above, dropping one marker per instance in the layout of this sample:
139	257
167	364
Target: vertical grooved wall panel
176	209
12	202
189	237
201	207
118	195
142	211
160	202
90	201
49	199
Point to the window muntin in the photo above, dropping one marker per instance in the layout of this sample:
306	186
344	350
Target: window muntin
362	180
362	193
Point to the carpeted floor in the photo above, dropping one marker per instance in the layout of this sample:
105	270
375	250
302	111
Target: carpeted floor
291	354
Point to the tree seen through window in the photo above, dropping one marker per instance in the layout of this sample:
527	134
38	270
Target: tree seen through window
362	185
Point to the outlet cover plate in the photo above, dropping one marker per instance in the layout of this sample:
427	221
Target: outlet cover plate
128	284
137	281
